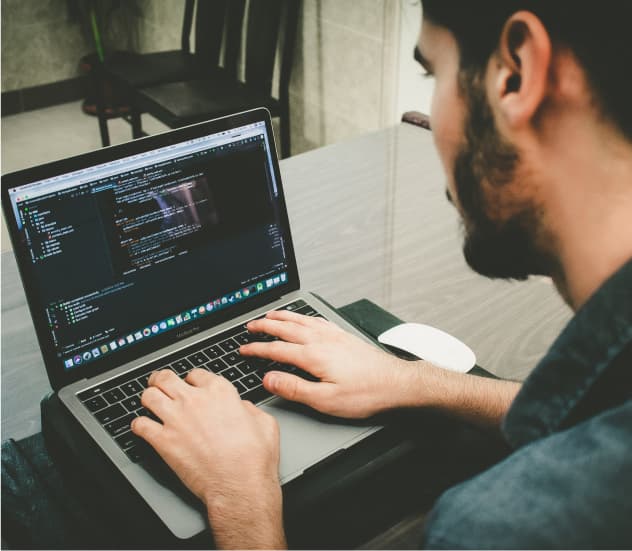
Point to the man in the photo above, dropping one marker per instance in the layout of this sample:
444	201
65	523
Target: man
532	119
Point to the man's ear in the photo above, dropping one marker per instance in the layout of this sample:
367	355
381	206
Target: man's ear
520	68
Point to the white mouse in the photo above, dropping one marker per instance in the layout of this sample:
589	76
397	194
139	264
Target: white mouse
430	344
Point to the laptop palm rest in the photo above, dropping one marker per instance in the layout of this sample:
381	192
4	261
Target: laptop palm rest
320	436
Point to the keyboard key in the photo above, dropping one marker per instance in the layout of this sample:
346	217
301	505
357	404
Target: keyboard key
229	345
136	453
240	387
120	425
90	393
294	371
197	359
181	366
251	381
146	413
113	396
262	365
110	413
276	366
142	451
216	365
132	388
285	367
232	358
143	380
107	385
293	305
127	440
95	404
231	373
219	337
132	404
213	352
244	338
261	337
256	395
306	311
247	367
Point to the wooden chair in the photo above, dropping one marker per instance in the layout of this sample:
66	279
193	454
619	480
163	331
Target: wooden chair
270	29
130	72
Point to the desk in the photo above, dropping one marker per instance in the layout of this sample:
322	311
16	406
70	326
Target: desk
369	220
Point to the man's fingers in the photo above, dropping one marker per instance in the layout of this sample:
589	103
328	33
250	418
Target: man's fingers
167	381
199	377
156	401
280	351
312	322
148	429
286	315
293	388
284	329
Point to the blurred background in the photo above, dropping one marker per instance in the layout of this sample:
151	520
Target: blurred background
351	69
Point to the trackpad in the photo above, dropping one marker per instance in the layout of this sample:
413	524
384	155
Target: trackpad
308	437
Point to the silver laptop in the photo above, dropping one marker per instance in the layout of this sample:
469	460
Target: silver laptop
152	255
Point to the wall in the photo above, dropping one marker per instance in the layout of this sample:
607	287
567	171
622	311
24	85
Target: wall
39	43
42	41
344	73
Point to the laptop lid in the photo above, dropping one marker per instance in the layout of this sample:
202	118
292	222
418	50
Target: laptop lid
128	249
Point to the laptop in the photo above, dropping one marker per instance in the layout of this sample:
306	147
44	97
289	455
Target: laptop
153	255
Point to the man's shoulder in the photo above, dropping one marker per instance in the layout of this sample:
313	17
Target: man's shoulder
570	489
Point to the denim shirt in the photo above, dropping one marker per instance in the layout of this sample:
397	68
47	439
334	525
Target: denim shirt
568	482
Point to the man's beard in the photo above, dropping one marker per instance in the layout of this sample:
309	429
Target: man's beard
496	249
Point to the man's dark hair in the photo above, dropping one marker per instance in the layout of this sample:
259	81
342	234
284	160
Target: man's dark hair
598	32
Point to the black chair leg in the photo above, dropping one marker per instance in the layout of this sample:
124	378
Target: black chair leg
103	129
137	129
103	120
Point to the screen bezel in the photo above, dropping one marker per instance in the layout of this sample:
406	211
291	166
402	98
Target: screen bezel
57	374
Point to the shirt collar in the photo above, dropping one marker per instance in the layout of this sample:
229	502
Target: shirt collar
581	354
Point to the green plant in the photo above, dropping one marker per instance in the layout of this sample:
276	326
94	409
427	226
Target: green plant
99	18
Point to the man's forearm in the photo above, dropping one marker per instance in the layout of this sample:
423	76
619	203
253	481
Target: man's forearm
476	399
248	523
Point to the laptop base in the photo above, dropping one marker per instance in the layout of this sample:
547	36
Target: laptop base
393	474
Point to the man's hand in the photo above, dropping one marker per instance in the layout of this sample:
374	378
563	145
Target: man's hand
225	450
357	380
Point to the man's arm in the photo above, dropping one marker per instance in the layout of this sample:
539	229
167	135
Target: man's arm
358	380
480	400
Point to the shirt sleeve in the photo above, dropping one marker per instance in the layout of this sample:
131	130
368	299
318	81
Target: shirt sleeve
571	490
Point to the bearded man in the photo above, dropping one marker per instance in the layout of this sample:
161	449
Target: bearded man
532	119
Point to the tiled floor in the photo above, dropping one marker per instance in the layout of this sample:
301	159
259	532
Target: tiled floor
44	135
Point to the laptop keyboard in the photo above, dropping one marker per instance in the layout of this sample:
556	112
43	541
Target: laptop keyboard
115	403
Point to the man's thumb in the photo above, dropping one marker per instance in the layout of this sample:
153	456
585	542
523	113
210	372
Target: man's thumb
290	387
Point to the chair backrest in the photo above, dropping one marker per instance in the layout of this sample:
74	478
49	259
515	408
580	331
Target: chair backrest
209	28
271	26
187	22
220	25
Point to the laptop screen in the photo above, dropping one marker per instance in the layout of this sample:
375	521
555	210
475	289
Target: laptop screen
129	250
